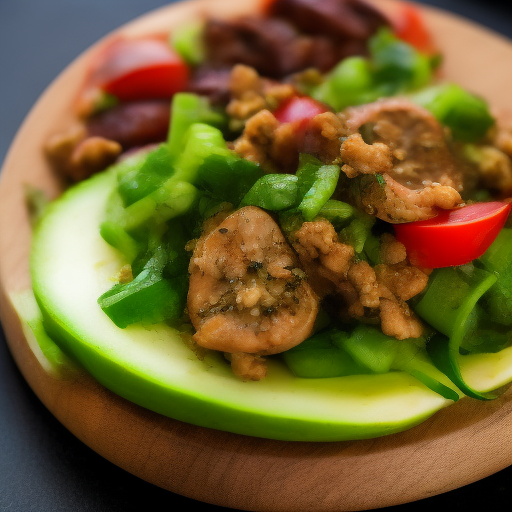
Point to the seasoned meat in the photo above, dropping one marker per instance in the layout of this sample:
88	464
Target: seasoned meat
251	93
415	139
247	292
132	124
212	83
340	19
273	47
362	292
407	146
76	156
326	261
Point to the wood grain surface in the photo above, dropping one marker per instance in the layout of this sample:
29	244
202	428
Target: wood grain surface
459	445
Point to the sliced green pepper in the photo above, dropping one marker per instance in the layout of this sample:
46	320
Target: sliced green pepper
467	115
146	175
228	178
273	192
449	306
149	298
187	109
318	358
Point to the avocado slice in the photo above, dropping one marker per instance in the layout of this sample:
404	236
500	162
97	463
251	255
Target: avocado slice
72	266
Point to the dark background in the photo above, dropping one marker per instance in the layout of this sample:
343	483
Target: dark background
42	466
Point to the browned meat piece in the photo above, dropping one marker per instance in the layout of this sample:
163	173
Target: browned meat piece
273	47
406	145
414	137
247	366
272	145
132	124
247	293
340	19
362	292
212	83
75	156
395	203
326	261
323	137
251	93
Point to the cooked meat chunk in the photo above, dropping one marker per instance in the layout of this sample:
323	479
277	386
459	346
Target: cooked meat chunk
366	293
399	162
212	83
132	124
362	158
271	46
247	366
390	201
250	93
76	156
397	320
340	19
269	143
247	293
414	137
323	137
326	261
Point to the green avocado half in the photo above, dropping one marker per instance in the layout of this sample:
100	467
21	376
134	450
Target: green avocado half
72	266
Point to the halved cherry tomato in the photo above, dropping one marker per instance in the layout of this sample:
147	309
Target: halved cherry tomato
139	69
299	110
454	237
409	26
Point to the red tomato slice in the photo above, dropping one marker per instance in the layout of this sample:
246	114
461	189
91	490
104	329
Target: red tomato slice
299	110
411	28
454	237
139	69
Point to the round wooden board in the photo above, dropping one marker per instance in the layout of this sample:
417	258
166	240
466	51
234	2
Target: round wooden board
461	444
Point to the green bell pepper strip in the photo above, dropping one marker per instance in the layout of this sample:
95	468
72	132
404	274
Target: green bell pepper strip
349	83
149	298
336	212
186	110
411	357
172	199
358	231
200	142
467	115
498	260
187	40
146	175
393	67
378	353
118	238
322	188
318	358
228	178
273	192
448	306
369	347
396	65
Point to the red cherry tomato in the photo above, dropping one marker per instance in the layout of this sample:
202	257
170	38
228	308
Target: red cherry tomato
299	110
411	28
454	237
139	69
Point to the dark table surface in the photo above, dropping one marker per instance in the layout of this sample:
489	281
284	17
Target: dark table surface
43	467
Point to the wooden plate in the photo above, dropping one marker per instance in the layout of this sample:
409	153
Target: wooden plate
459	445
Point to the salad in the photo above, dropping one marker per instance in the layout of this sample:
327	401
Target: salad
282	231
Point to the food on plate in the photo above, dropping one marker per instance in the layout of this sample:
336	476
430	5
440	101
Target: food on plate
281	231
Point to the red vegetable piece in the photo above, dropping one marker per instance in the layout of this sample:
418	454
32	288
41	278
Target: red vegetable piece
139	69
411	28
299	110
454	237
